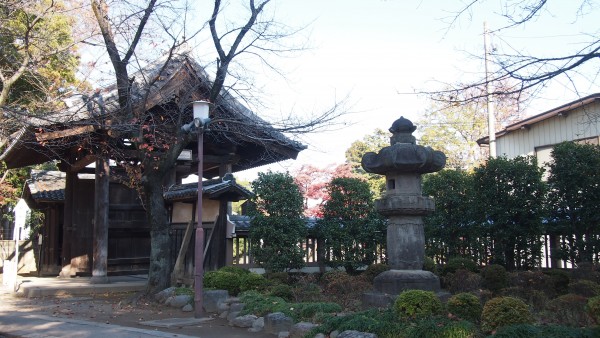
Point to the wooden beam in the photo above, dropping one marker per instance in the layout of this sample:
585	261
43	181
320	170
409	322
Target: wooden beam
52	135
82	163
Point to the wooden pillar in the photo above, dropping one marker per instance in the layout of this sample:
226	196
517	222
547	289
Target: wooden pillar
67	225
101	206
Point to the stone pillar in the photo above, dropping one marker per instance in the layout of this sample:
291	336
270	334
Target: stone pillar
403	163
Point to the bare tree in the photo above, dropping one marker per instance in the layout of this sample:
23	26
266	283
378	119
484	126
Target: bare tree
529	73
144	133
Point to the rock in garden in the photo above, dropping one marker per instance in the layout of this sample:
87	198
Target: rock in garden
180	300
212	299
243	321
187	308
232	315
299	330
356	334
278	322
163	295
258	325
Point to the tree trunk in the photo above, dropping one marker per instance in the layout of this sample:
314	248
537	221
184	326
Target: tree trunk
160	252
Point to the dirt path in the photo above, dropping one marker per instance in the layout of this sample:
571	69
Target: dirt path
120	309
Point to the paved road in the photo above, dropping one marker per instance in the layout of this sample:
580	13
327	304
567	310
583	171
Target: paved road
34	325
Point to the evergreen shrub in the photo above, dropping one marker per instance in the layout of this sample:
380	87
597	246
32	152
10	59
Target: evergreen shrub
559	282
593	308
494	277
413	304
223	280
465	306
429	265
461	281
252	281
457	263
569	309
374	270
501	311
282	290
585	288
437	327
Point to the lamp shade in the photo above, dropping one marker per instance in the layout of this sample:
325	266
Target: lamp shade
201	109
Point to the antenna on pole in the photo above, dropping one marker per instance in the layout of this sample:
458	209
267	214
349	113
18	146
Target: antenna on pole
489	97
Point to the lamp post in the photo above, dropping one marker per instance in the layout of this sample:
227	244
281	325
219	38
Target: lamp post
201	119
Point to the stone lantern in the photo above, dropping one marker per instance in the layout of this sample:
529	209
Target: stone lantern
403	163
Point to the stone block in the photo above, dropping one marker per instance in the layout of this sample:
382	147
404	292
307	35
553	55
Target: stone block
244	321
299	330
356	334
377	299
180	301
393	282
212	299
277	322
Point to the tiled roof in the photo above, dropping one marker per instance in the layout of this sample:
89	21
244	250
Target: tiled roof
242	222
46	186
221	188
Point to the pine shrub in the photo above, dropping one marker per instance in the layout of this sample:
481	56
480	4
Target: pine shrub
569	309
585	288
494	277
437	327
413	304
465	306
457	263
593	308
501	311
374	270
282	290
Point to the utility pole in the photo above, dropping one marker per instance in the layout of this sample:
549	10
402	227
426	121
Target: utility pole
489	97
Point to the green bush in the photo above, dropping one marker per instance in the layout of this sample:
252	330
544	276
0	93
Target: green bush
282	290
441	328
413	304
461	281
429	265
559	282
223	280
384	323
536	299
343	287
278	277
494	277
308	292
260	305
252	281
593	308
308	311
501	311
374	270
552	283
465	306
568	310
586	271
458	263
585	288
547	331
234	269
